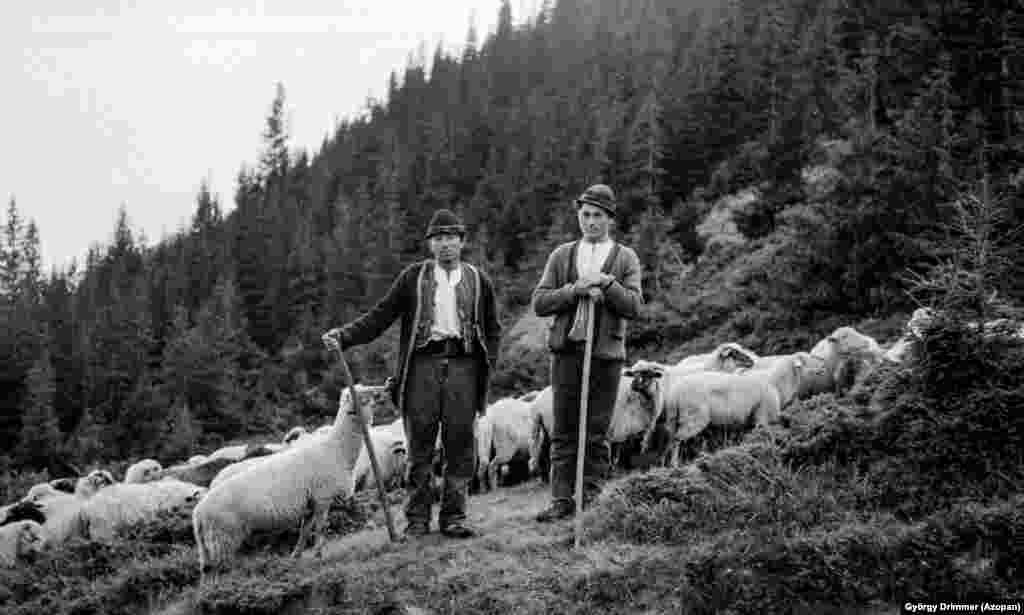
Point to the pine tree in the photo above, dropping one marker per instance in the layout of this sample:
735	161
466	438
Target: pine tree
40	437
11	261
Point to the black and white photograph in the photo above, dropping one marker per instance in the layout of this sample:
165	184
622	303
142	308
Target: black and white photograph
583	307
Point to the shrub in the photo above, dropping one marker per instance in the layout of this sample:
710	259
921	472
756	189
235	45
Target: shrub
749	485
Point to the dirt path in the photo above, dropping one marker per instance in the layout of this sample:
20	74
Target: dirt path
506	514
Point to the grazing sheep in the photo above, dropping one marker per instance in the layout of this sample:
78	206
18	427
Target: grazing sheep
253	456
201	474
845	354
785	372
725	357
195	460
692	401
503	435
127	503
293	487
143	471
18	539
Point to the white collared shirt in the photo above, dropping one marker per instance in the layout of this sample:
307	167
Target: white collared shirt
446	313
590	257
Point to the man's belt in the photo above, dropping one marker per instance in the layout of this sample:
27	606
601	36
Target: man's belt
448	347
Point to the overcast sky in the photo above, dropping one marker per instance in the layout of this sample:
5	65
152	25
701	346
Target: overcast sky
125	102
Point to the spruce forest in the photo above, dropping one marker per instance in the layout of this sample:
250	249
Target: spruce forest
900	114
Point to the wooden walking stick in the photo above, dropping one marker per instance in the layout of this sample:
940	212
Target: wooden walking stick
330	342
581	445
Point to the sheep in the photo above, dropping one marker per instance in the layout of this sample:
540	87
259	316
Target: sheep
18	539
127	503
541	426
143	471
63	517
844	354
503	435
633	415
389	444
295	486
235	452
195	460
93	482
725	357
254	456
690	401
201	474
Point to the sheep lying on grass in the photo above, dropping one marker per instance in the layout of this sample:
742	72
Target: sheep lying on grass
293	487
128	503
143	471
18	539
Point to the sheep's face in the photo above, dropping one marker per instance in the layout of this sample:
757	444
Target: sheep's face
646	378
733	357
847	340
94	481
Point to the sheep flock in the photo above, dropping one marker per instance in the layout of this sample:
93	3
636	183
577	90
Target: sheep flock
230	493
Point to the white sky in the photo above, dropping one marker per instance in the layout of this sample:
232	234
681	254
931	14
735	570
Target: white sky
128	103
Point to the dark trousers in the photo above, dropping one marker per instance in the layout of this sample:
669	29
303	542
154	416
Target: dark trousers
566	378
442	393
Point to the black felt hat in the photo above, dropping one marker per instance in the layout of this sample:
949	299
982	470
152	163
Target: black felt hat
445	221
598	195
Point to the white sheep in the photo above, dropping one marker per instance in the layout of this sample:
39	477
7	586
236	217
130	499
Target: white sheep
63	517
18	539
127	503
93	482
690	401
195	460
293	487
234	452
725	357
392	451
292	437
63	510
502	434
143	471
844	355
633	415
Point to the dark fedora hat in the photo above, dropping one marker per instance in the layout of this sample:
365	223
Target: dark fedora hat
445	221
598	195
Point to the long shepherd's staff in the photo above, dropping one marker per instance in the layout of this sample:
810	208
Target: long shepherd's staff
581	446
330	342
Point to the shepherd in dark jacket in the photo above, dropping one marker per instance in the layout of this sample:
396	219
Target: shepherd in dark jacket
599	269
447	348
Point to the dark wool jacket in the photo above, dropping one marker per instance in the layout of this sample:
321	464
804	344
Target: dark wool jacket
404	299
622	299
